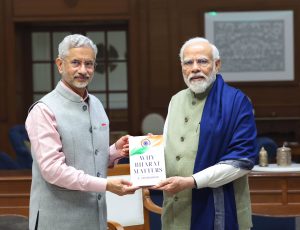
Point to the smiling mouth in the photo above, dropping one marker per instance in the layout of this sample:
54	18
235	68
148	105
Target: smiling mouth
197	78
81	78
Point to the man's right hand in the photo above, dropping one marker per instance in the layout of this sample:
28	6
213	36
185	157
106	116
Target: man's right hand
120	186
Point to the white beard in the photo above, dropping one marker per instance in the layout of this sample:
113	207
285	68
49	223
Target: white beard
81	85
200	86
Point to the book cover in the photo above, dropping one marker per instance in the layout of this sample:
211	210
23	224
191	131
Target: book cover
147	160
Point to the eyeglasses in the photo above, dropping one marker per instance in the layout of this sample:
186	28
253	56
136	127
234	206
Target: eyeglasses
202	62
89	64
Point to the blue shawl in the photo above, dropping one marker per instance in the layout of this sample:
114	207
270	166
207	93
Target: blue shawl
227	133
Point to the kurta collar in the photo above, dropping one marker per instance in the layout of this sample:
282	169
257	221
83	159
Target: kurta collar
70	94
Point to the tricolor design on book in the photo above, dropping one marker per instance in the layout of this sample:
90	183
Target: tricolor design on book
147	160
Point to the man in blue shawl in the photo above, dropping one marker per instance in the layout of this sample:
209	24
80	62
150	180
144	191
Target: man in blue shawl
209	148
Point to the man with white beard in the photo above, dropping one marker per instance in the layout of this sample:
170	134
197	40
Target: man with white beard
210	147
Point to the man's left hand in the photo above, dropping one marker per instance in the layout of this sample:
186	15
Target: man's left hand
175	184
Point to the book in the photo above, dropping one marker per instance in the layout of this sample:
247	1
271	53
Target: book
147	160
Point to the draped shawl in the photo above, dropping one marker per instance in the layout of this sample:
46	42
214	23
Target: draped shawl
227	134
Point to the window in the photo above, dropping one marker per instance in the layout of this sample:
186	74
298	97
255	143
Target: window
110	83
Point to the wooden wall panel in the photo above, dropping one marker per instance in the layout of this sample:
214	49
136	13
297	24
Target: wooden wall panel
159	53
7	78
134	45
157	29
2	67
160	66
3	79
15	192
68	8
176	81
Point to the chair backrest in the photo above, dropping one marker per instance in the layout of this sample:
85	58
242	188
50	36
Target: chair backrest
20	142
112	225
153	123
131	211
6	162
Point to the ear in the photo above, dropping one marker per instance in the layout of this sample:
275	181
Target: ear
218	65
59	64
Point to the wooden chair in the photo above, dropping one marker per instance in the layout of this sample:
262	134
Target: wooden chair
131	211
113	225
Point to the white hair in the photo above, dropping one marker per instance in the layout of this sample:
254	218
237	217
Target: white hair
215	51
75	41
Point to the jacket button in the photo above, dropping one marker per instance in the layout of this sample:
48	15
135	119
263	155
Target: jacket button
182	139
99	197
91	129
175	198
84	108
186	119
96	152
177	158
193	103
98	174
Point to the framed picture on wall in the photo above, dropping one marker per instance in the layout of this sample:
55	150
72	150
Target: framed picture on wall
254	46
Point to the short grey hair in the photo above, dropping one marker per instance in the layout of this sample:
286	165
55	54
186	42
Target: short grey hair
75	41
215	51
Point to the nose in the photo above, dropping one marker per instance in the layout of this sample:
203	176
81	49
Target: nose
82	68
195	67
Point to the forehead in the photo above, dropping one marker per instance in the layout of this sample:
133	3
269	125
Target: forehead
81	53
199	49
